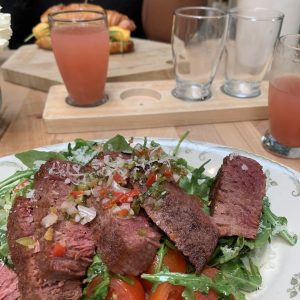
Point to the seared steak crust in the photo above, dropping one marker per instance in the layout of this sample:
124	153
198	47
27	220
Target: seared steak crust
41	274
237	196
127	245
181	217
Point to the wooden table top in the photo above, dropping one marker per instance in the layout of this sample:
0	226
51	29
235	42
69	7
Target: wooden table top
22	126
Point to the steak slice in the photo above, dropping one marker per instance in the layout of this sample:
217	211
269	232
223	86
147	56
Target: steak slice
80	249
181	217
237	196
53	182
20	224
127	245
52	188
33	285
32	282
8	284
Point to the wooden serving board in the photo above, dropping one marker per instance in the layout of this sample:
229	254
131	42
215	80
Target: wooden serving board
148	104
36	68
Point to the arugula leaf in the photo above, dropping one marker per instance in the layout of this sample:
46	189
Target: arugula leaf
29	158
193	282
243	278
199	184
117	143
12	180
278	224
98	268
82	151
182	138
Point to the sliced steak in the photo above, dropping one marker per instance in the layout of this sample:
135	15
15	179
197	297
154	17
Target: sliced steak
79	250
20	224
180	216
32	282
127	245
8	283
52	188
237	196
53	183
33	285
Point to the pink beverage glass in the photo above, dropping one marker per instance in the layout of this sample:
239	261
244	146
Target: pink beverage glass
80	43
283	136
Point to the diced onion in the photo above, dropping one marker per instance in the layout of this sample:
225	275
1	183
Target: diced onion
87	214
117	188
49	220
69	207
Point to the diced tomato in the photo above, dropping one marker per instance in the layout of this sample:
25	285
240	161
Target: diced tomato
119	198
59	249
173	259
118	178
167	291
121	290
150	179
211	295
76	193
167	171
122	213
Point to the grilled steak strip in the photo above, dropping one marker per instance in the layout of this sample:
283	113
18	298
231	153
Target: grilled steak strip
52	188
32	282
127	245
181	217
237	196
80	249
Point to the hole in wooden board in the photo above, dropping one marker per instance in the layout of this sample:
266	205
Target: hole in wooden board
143	96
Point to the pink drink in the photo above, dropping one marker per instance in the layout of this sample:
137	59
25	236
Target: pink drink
82	53
284	110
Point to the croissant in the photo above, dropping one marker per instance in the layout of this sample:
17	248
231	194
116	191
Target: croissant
114	18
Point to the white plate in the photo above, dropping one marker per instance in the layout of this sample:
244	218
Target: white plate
279	263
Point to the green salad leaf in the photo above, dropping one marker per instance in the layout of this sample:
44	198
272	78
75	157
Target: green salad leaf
97	269
196	282
32	157
278	224
117	143
82	151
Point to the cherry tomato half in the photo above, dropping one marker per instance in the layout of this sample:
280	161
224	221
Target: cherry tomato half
121	290
167	291
211	295
173	259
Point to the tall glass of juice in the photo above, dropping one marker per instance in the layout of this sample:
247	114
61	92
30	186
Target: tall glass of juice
283	136
80	44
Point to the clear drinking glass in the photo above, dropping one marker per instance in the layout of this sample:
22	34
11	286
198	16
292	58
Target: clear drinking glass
283	136
251	38
80	44
198	37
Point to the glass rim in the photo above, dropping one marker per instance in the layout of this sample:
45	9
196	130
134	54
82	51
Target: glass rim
180	12
285	41
101	16
249	13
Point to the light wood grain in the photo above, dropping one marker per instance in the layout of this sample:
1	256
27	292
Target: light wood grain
24	128
150	104
33	67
